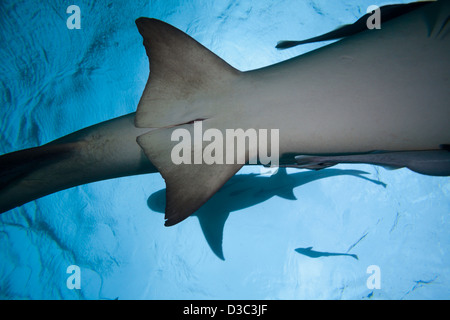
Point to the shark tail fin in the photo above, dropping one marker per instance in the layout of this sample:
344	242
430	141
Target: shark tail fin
185	82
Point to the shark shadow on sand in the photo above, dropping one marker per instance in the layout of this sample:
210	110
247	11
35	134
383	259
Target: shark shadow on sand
247	190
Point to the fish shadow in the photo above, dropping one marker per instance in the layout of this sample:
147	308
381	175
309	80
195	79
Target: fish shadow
319	254
247	190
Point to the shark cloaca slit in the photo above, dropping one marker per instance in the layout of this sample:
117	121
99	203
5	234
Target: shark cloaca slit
375	92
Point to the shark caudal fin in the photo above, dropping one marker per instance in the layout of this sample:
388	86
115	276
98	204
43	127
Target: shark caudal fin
188	84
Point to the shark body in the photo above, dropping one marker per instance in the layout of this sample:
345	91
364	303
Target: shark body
383	91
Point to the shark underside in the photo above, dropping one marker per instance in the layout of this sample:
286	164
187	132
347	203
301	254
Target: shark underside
376	96
378	92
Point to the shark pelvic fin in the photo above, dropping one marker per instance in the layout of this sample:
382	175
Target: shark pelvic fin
428	162
185	83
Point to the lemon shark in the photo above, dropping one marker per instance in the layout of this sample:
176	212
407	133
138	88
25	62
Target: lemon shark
376	96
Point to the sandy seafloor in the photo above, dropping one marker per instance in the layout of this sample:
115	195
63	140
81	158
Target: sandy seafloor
54	81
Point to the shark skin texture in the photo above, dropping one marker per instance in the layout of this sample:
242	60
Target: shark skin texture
377	96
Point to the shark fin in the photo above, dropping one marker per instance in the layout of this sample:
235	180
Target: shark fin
185	85
181	71
387	13
188	186
428	162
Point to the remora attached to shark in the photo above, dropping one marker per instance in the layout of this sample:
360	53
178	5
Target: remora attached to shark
377	96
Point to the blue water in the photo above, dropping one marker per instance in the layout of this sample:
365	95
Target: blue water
242	245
